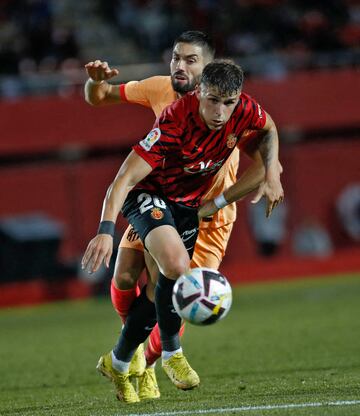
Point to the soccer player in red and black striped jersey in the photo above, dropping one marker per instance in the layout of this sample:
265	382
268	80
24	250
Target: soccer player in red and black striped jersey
159	188
185	153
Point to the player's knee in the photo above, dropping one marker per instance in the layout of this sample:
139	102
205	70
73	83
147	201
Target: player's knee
176	266
126	280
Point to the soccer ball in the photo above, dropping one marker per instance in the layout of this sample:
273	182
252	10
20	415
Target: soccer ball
202	296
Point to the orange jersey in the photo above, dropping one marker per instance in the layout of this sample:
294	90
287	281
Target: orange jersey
157	93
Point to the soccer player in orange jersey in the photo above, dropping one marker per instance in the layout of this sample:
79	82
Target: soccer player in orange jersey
192	51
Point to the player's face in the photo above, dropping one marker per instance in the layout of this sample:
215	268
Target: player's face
215	109
186	66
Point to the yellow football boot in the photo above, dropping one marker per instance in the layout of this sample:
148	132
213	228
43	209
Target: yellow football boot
148	387
180	373
125	391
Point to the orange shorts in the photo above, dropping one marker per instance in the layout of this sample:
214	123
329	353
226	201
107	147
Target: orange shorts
131	239
209	248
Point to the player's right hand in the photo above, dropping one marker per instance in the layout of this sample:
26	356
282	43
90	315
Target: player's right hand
100	70
98	250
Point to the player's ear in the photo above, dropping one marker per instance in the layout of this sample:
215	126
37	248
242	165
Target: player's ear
197	92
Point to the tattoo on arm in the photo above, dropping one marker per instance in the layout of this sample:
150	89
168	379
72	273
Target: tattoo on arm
267	148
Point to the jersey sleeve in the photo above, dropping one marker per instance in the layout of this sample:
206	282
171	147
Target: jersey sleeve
250	140
162	139
136	92
256	120
258	116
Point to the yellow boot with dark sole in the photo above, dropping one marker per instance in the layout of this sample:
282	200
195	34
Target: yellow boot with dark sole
180	373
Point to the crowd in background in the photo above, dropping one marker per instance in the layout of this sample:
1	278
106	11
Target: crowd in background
30	39
268	37
241	27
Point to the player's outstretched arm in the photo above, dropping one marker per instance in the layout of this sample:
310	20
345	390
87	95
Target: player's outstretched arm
248	182
100	248
97	90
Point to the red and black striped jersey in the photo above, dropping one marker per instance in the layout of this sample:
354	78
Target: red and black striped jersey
185	154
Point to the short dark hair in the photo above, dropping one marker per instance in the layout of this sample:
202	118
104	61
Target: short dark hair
198	38
225	75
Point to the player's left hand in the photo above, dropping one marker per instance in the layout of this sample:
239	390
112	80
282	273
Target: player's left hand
207	209
273	191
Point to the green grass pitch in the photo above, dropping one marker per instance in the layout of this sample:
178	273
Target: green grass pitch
281	344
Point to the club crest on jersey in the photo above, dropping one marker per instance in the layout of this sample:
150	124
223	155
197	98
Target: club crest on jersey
157	214
231	141
150	139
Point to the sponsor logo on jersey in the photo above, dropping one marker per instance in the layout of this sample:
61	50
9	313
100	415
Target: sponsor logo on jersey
203	167
150	139
157	214
231	141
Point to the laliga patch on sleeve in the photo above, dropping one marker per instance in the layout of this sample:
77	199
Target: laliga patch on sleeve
150	139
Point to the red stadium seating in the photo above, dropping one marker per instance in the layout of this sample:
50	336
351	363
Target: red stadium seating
305	101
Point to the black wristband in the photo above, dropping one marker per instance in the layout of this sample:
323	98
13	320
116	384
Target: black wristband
106	227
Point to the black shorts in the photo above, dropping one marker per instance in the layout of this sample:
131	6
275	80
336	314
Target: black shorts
146	210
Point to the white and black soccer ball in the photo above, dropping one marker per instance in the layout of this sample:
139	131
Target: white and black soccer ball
202	296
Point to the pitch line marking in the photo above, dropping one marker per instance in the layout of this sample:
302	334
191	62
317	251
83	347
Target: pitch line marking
249	408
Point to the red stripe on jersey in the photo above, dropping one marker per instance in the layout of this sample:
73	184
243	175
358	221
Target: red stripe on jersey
187	155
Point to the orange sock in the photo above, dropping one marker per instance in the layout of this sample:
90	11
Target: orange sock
153	349
123	299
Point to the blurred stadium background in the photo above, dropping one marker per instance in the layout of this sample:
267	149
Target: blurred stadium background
58	155
288	342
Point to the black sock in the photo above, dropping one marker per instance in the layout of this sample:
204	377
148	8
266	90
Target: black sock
139	323
169	321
